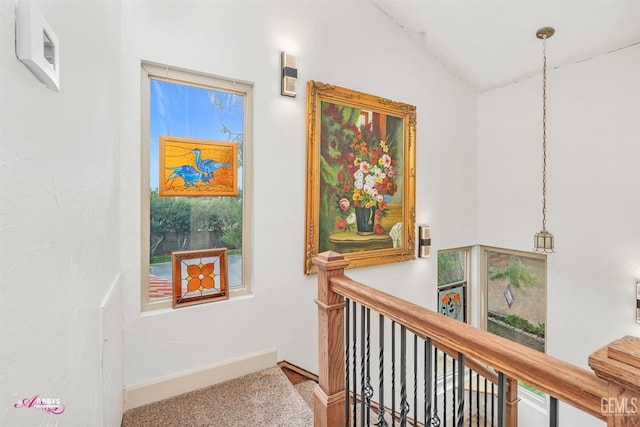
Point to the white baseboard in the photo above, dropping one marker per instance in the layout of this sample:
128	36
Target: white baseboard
184	382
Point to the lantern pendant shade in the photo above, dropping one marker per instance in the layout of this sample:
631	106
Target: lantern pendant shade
543	242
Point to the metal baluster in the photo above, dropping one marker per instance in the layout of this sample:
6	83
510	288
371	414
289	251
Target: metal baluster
502	390
453	391
404	406
368	390
347	362
362	367
436	418
393	374
444	384
471	398
355	355
415	379
427	382
381	422
553	412
461	390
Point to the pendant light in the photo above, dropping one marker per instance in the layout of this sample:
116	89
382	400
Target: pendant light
543	241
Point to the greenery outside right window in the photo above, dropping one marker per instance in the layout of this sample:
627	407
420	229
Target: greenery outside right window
516	295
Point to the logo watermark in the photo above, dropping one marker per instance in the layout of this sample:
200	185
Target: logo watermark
619	406
50	405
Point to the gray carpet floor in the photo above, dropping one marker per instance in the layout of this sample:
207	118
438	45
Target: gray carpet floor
305	389
265	398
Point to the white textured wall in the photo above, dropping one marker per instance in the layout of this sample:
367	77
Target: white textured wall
347	43
593	191
59	245
61	192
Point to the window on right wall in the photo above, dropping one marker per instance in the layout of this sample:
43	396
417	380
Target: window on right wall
453	280
515	295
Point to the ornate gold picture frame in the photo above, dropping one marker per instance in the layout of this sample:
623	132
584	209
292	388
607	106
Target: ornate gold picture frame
360	177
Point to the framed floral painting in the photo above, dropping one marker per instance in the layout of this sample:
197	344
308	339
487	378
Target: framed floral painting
361	177
199	276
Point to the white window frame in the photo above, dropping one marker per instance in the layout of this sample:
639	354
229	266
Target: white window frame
468	278
149	71
484	279
540	402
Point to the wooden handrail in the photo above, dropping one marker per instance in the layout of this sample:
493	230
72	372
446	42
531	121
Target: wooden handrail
571	384
611	394
471	363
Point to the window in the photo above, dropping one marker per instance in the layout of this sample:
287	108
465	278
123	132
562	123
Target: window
511	299
452	266
516	295
453	279
179	105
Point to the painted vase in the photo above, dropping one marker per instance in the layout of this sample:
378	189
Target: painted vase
364	220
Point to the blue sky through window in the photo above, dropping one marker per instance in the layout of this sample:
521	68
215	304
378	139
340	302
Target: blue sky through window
192	112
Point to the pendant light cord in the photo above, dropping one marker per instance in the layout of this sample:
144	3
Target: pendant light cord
544	133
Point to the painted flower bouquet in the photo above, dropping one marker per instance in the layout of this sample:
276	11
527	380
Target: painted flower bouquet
361	165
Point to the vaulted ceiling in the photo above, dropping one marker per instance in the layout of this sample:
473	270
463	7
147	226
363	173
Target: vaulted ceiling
491	43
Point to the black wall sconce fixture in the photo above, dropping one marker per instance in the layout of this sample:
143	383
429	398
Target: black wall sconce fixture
424	241
638	301
289	75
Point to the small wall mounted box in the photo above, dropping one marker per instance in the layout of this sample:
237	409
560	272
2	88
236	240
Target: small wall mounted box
37	46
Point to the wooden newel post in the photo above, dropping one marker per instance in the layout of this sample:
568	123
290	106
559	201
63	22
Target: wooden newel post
619	364
511	418
329	393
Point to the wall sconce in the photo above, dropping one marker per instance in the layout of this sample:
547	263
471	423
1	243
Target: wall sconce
637	301
289	75
424	241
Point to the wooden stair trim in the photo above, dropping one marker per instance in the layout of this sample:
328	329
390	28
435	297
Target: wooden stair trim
295	373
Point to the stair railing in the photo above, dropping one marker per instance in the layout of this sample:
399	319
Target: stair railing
473	363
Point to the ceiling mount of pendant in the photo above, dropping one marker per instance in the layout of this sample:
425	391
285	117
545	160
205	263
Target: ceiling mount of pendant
545	32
